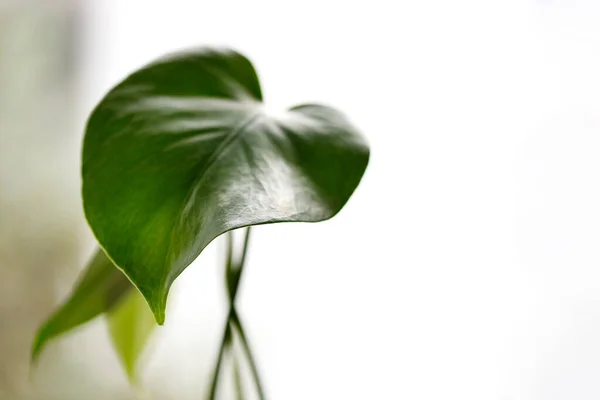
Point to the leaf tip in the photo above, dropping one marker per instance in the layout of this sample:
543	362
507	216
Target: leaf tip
158	310
157	301
38	344
131	374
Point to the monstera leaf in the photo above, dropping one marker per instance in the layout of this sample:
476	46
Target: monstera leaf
184	150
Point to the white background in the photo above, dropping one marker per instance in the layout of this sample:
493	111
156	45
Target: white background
466	266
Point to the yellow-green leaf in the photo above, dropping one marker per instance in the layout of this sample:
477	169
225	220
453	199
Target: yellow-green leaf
130	324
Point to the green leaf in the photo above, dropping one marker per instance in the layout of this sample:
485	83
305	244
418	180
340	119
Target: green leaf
131	324
183	150
99	289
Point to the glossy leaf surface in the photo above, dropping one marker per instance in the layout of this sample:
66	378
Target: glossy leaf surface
131	324
183	150
99	289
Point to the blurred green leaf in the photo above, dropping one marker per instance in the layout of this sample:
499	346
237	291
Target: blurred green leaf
99	289
131	324
184	150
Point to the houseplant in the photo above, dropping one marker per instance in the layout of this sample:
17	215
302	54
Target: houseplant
179	153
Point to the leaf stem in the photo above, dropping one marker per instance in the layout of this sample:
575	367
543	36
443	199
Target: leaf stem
233	270
226	344
233	274
235	321
237	379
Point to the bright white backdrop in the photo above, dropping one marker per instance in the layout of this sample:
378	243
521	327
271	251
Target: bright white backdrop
466	266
